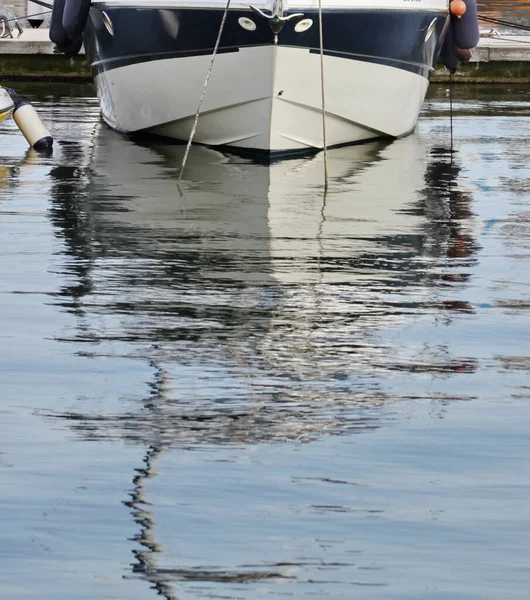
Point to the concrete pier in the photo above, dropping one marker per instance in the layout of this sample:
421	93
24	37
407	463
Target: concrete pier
31	56
31	41
504	59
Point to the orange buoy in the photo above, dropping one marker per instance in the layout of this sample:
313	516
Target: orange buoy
457	8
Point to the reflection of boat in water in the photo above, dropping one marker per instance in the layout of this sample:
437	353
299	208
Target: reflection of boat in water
237	205
255	300
253	277
213	277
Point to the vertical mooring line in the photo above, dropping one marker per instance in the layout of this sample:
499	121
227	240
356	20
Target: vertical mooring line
196	120
323	96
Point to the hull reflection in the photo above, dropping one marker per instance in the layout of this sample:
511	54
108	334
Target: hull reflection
257	301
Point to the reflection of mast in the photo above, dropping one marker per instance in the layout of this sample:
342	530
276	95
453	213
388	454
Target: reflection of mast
146	564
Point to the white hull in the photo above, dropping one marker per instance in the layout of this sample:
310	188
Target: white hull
275	109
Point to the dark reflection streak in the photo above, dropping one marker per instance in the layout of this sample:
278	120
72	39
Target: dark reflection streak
447	208
69	192
146	563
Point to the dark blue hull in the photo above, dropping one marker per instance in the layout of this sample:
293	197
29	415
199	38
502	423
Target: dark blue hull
389	37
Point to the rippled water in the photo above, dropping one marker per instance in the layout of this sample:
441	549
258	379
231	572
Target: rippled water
253	390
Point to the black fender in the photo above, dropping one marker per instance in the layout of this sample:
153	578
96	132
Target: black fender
58	34
463	54
75	17
448	58
73	48
452	56
466	28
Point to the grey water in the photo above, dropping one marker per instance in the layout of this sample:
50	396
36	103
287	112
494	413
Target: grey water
254	390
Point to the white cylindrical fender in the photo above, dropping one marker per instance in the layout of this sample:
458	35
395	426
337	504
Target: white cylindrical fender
31	126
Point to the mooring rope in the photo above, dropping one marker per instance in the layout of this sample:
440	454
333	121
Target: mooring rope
6	32
323	96
503	22
46	12
196	120
504	38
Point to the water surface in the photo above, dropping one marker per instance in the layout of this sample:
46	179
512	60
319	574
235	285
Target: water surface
253	390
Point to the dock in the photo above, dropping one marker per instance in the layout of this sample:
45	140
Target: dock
497	59
32	57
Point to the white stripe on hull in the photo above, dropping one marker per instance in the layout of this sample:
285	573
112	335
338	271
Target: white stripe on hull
263	98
